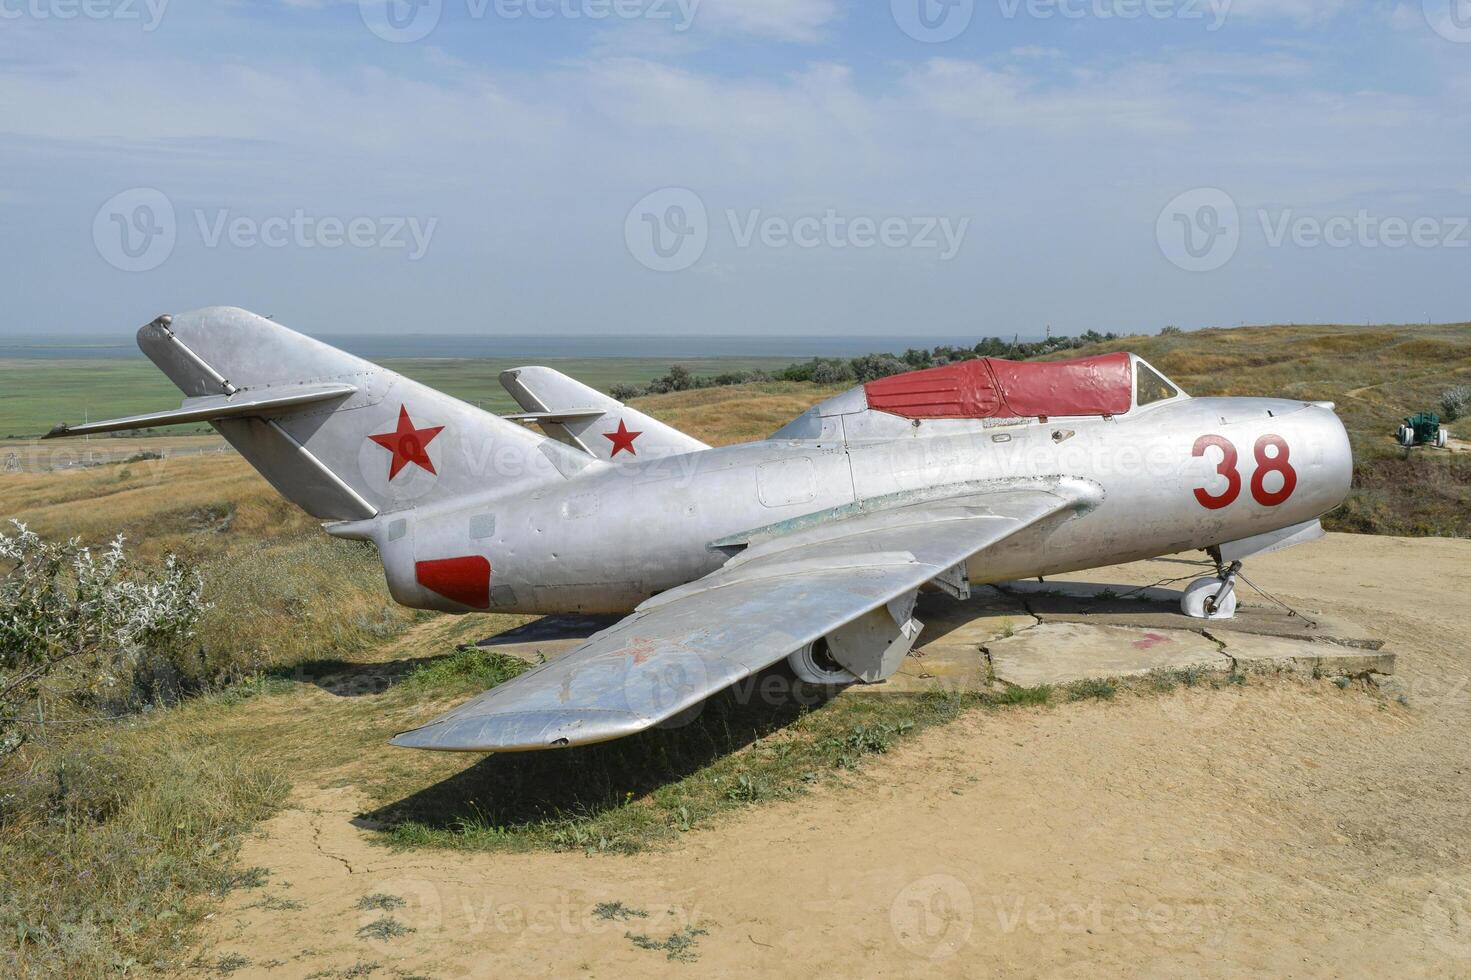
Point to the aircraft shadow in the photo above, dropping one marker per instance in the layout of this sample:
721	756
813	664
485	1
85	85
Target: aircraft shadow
517	789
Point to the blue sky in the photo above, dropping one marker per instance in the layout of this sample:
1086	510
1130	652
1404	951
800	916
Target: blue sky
735	166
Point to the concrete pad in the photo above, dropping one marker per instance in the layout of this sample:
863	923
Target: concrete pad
1061	653
1157	608
1275	653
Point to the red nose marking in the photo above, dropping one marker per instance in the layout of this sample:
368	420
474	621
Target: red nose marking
464	580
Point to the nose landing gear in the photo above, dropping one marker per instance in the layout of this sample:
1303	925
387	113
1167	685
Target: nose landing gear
1213	597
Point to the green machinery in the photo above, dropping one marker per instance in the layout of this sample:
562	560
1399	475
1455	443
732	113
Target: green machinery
1422	430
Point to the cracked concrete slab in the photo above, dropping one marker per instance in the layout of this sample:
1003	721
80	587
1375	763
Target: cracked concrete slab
1159	608
1063	653
1252	652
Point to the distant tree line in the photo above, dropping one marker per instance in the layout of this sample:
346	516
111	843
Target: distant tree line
860	370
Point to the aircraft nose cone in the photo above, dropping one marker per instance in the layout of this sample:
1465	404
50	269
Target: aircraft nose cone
1337	471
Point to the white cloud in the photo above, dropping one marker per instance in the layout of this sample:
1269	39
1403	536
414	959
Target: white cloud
783	20
1305	13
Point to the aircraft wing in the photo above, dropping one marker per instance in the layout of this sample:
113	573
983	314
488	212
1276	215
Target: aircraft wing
682	646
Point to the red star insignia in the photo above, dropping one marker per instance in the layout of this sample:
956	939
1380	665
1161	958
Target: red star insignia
622	439
408	444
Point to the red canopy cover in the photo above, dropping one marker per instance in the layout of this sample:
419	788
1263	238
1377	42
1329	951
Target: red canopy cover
992	388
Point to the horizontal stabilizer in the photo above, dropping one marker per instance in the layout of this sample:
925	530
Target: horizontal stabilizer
586	419
557	418
211	407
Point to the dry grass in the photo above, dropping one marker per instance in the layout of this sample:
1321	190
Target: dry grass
112	847
745	413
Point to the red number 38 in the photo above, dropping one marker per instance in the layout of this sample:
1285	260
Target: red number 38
1278	461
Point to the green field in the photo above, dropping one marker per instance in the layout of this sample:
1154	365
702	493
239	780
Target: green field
37	394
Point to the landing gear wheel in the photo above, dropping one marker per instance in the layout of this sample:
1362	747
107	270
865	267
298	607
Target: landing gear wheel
1192	603
813	664
1441	438
1407	437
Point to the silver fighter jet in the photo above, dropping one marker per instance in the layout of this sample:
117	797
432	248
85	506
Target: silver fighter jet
809	546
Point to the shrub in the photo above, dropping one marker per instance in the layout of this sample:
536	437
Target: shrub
83	624
1455	403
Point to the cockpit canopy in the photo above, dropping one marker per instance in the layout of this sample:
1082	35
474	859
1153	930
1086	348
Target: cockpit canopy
993	388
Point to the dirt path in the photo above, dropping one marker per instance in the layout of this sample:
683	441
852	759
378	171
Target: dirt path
1289	828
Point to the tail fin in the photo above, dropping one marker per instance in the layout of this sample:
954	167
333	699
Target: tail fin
572	413
339	436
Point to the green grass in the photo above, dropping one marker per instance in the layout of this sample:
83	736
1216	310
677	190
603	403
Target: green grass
628	795
617	911
1091	690
468	668
678	947
111	846
385	928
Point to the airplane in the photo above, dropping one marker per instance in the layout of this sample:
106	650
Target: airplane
810	546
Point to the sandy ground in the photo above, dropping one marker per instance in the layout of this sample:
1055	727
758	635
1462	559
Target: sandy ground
1286	827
